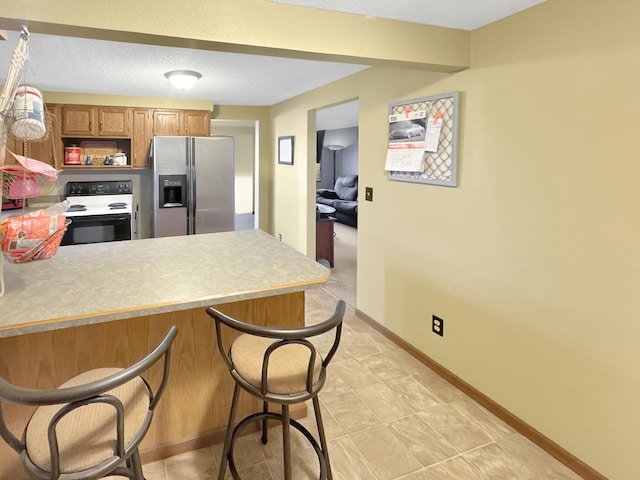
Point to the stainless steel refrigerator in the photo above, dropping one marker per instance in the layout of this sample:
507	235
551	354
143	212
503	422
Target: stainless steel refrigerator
193	185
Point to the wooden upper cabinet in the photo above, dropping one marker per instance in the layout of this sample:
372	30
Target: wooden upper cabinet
140	137
197	123
90	121
167	122
53	144
43	151
137	125
114	121
16	147
78	120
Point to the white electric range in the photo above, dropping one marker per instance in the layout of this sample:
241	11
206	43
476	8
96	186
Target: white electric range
99	212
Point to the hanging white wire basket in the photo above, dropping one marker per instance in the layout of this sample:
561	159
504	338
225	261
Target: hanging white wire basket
28	130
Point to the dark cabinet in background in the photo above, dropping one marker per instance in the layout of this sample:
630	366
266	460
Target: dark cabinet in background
324	239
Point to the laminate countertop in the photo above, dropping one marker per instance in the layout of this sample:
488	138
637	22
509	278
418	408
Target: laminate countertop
85	284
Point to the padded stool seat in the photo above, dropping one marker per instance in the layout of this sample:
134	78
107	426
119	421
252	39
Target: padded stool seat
287	373
278	366
85	435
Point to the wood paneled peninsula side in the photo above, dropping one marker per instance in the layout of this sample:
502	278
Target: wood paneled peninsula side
108	304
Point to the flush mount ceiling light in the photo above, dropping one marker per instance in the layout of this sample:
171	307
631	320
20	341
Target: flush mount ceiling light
183	79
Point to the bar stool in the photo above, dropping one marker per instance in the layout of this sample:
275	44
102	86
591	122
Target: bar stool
91	426
280	366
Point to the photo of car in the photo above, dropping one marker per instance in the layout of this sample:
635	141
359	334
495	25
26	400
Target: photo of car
407	130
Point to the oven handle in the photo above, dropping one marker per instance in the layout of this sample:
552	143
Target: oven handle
93	218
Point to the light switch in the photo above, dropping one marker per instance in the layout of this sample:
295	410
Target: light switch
368	194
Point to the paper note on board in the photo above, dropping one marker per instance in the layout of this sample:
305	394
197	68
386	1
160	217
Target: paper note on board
432	136
404	160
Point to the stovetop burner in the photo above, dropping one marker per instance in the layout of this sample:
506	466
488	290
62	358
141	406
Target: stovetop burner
76	208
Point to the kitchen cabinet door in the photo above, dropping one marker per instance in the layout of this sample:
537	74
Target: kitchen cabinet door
140	137
78	120
113	121
50	150
197	123
15	146
167	122
42	151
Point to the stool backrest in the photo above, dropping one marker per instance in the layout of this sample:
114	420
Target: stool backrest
281	337
75	397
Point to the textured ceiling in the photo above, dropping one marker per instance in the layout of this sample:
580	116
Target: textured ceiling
65	64
78	65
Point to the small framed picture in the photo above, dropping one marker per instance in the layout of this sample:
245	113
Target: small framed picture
285	150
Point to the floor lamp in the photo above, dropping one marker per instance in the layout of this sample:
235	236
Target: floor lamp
334	149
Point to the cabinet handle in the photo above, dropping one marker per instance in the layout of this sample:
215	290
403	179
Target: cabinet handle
100	126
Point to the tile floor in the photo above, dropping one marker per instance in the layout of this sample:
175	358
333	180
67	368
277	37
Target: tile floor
387	417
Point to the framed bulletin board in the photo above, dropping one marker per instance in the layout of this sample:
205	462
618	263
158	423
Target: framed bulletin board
423	138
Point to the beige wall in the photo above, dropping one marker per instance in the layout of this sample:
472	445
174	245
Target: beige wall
534	260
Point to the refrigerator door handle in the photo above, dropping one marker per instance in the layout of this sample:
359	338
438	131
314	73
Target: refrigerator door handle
189	160
192	184
135	221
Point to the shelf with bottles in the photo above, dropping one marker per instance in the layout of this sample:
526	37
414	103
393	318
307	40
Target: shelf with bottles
82	153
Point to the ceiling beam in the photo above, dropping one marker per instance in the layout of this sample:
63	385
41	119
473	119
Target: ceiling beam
250	26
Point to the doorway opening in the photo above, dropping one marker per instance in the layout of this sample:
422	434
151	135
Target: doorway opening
245	135
337	196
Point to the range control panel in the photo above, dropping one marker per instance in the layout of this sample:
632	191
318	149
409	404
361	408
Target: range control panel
108	187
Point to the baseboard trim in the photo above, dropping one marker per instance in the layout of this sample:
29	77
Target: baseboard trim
206	439
548	445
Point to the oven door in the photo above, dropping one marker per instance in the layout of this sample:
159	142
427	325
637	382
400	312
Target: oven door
97	228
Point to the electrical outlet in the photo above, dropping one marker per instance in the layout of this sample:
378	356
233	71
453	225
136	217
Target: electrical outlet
437	325
368	194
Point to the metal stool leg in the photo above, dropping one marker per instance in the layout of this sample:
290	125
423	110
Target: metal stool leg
286	442
227	440
287	422
265	410
136	466
323	439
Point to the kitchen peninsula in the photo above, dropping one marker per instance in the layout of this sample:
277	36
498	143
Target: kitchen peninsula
108	304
